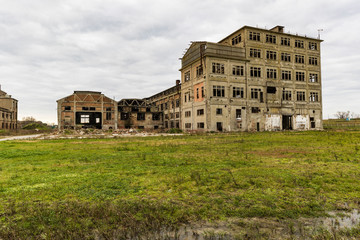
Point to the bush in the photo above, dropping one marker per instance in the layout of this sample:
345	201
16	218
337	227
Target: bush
33	126
174	130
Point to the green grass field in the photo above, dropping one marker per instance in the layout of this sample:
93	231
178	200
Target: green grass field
129	187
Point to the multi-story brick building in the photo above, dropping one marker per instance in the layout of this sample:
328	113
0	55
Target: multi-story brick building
253	79
8	111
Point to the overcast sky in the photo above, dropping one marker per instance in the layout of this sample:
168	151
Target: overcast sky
131	49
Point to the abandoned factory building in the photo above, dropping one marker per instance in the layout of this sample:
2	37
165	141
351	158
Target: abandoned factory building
252	80
8	111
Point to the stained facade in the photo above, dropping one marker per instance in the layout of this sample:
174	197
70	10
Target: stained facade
252	80
8	111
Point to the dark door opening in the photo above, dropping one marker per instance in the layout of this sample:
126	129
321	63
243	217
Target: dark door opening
219	126
286	122
258	127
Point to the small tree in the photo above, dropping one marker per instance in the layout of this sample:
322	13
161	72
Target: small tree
342	115
29	119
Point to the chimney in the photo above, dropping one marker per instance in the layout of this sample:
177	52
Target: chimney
177	82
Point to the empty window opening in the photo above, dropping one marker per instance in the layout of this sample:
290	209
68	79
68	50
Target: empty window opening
286	57
218	68
255	72
271	55
141	116
271	73
187	76
238	114
200	125
271	90
300	96
299	59
314	97
67	108
219	111
256	53
270	38
238	92
218	91
286	95
200	112
255	36
255	110
285	41
313	77
300	76
238	70
299	43
84	118
285	75
235	40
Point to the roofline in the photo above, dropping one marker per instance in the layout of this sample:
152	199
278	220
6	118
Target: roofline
288	34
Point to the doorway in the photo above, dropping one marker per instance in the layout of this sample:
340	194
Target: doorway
286	122
219	126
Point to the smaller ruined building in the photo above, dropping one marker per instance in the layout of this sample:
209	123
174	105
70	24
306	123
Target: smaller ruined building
87	109
8	111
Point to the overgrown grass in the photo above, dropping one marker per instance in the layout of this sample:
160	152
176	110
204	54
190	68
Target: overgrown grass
130	187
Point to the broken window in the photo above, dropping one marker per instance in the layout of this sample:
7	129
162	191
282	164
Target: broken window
271	73
312	122
313	77
313	61
299	43
314	97
200	112
202	92
256	53
108	116
271	55
238	70
166	124
108	109
187	125
271	90
85	108
124	116
286	57
186	97
238	92
85	118
255	36
238	114
199	70
188	114
177	115
218	91
300	96
299	59
219	111
177	103
92	108
270	38
285	41
312	45
148	109
255	110
200	125
197	93
300	76
166	105
156	116
67	108
255	72
218	68
172	115
255	93
235	40
166	116
285	75
187	76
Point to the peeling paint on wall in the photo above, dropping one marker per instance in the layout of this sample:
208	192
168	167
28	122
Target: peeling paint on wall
272	122
301	122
